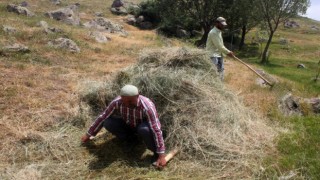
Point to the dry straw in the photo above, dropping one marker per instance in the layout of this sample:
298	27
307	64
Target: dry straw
205	120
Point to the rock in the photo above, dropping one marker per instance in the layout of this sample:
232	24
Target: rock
99	37
289	105
56	2
67	15
98	14
130	19
64	43
16	48
43	24
314	28
20	10
181	33
48	29
104	24
145	25
291	24
302	66
270	78
117	4
24	4
119	11
9	29
283	41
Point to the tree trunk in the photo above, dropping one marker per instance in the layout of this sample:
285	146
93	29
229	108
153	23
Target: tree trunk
204	37
243	36
264	59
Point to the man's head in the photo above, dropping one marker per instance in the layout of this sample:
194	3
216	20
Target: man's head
129	95
220	23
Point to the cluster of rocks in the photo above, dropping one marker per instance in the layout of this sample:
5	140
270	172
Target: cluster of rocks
20	10
139	22
291	24
293	105
106	25
69	15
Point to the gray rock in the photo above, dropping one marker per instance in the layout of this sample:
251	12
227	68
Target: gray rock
119	11
99	37
16	47
19	10
98	14
181	33
9	29
56	2
291	24
145	25
24	4
302	66
117	4
314	28
104	24
67	15
290	105
48	29
43	24
130	19
64	43
283	41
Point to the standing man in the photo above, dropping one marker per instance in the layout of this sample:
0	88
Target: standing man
128	115
216	47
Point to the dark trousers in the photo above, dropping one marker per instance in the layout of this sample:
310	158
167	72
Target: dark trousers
124	132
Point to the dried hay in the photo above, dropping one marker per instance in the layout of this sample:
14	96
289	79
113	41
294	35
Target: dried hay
205	120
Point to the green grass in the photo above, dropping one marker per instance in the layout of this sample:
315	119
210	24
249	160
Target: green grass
299	150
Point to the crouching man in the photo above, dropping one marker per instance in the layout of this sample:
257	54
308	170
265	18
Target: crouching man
138	116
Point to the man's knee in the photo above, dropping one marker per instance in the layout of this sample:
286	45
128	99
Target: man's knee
143	130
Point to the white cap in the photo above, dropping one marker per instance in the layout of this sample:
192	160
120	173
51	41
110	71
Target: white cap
129	90
222	20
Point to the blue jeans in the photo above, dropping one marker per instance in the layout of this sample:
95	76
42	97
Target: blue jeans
124	132
218	61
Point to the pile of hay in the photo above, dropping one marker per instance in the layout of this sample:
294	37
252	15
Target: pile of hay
205	120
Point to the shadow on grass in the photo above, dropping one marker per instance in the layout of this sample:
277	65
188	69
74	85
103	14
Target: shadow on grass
113	150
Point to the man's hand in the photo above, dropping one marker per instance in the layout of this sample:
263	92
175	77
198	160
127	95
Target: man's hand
161	162
231	54
85	138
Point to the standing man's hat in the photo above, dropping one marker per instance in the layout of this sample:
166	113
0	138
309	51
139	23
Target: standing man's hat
129	90
222	20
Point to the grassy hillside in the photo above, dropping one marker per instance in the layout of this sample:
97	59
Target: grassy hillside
42	117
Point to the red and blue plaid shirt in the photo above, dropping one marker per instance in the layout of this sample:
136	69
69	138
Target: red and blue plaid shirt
145	110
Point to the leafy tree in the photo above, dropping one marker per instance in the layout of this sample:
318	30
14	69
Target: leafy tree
275	12
192	14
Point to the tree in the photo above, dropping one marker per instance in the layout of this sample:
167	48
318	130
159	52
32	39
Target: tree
275	12
190	13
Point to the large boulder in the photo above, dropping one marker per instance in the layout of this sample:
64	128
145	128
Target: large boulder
64	43
103	24
67	15
19	10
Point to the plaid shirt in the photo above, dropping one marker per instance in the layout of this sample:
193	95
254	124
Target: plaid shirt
145	109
